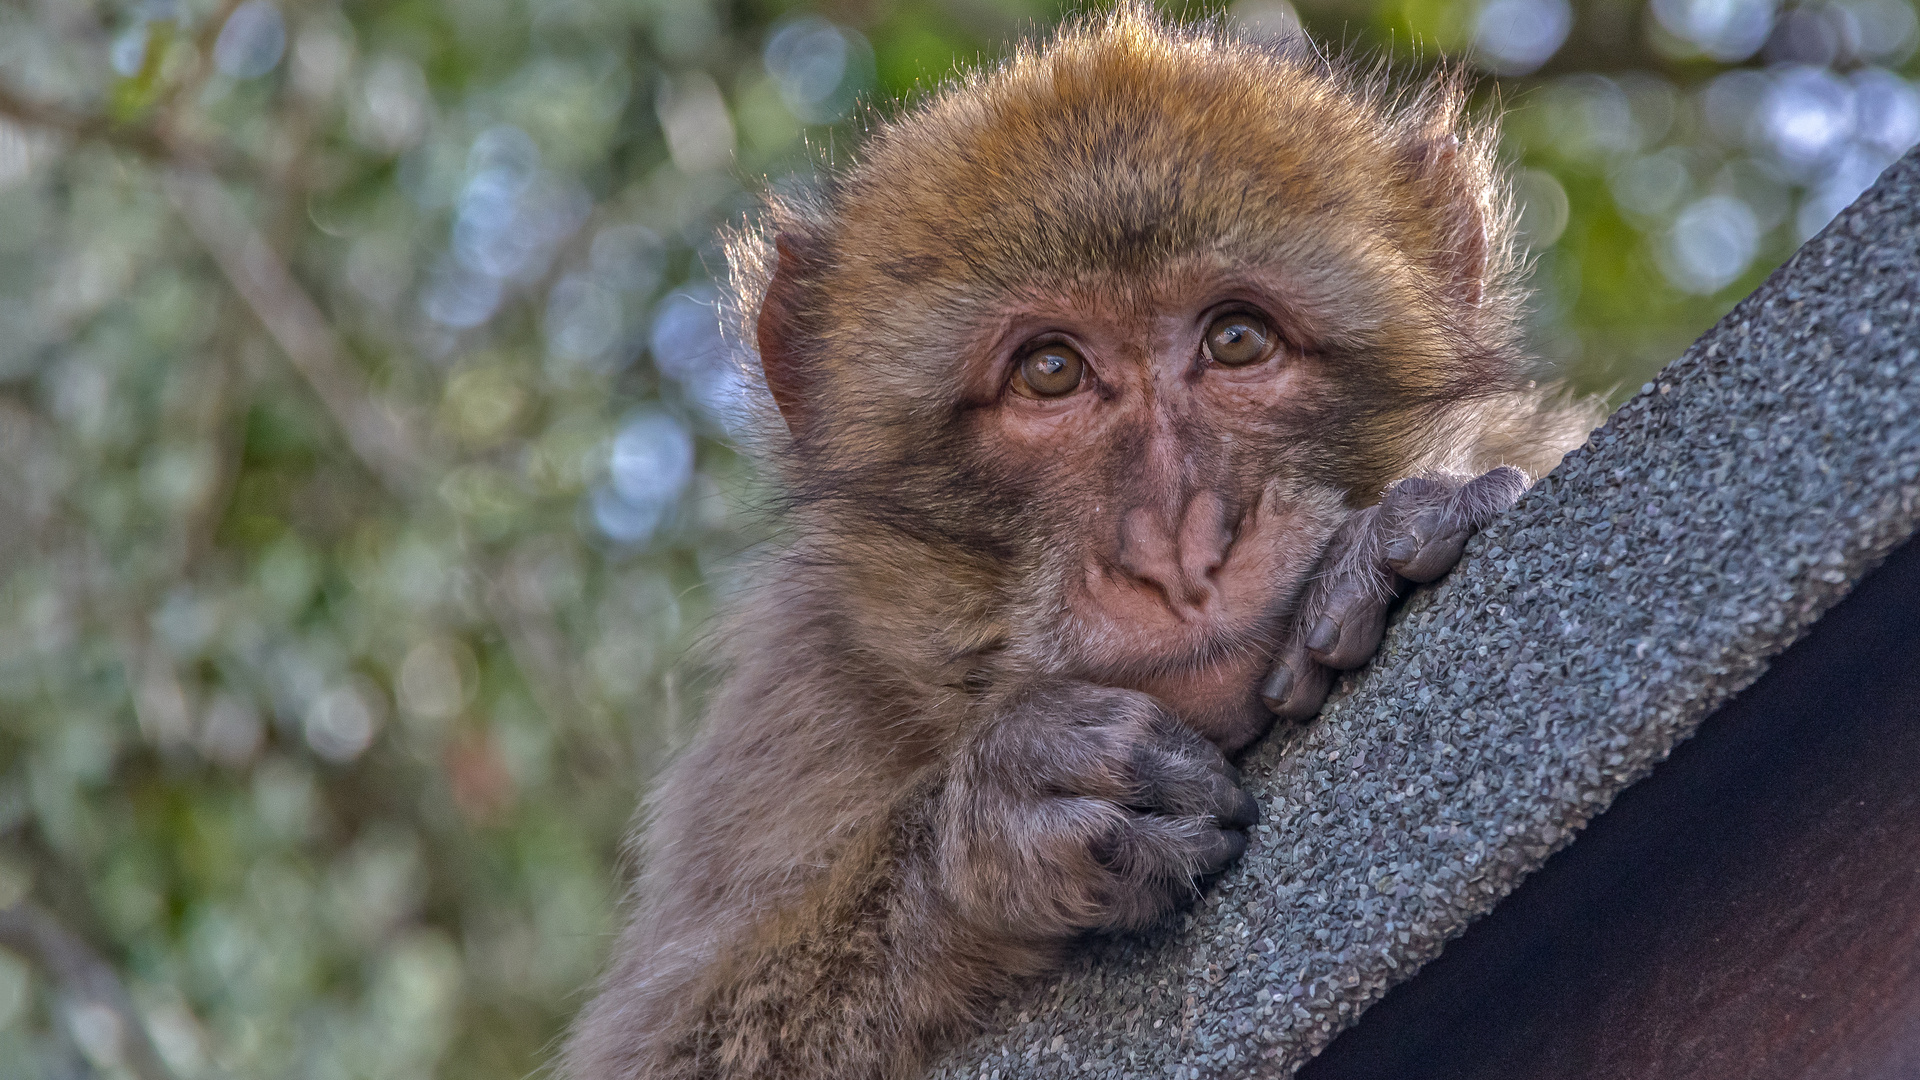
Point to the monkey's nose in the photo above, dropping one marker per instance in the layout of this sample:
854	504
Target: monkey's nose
1178	562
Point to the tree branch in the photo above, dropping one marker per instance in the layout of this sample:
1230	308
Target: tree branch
376	435
27	929
141	141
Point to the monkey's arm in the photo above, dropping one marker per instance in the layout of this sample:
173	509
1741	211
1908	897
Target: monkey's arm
852	978
1071	808
1412	536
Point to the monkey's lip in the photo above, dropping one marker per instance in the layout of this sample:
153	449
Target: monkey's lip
1217	697
1207	672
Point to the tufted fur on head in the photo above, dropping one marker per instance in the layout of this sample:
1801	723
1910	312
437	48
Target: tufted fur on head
1120	146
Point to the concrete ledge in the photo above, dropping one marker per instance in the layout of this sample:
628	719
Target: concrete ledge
1653	576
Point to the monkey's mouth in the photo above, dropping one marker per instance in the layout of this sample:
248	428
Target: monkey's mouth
1206	670
1218	698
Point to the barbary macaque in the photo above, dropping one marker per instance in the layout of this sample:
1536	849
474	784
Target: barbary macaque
1120	388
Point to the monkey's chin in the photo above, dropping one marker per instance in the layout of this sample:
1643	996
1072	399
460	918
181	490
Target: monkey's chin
1219	698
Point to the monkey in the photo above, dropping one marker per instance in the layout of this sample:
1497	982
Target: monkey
1115	392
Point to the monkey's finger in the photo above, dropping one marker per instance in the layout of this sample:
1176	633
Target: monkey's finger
1221	849
1155	861
1491	494
1424	553
1229	805
1155	853
1426	541
1296	686
1084	743
1171	736
1177	849
1225	803
1354	619
1179	784
1471	503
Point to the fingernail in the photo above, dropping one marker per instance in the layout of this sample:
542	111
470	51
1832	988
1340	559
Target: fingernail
1236	844
1401	549
1247	814
1278	685
1326	634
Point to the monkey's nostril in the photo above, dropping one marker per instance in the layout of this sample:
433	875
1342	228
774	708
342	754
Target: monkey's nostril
1218	562
1186	605
1207	534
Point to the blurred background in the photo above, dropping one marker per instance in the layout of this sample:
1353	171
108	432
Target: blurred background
365	457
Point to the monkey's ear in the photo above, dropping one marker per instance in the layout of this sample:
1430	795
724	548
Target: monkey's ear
1446	174
779	330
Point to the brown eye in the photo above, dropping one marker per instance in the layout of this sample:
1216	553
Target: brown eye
1050	371
1239	339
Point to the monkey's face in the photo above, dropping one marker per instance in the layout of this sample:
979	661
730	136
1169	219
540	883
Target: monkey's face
1124	474
1164	437
1129	476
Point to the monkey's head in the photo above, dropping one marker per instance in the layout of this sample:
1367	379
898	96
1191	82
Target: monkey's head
1086	357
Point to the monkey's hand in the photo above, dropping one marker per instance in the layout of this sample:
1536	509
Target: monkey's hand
1083	807
1412	536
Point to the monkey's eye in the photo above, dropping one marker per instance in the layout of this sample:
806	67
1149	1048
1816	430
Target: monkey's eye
1238	338
1049	371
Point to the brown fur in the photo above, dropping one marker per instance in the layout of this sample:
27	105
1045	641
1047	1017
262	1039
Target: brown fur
932	764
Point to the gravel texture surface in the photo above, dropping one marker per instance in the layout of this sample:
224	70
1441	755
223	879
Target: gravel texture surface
1651	577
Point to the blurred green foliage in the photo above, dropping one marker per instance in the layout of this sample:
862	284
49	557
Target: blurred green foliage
339	608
